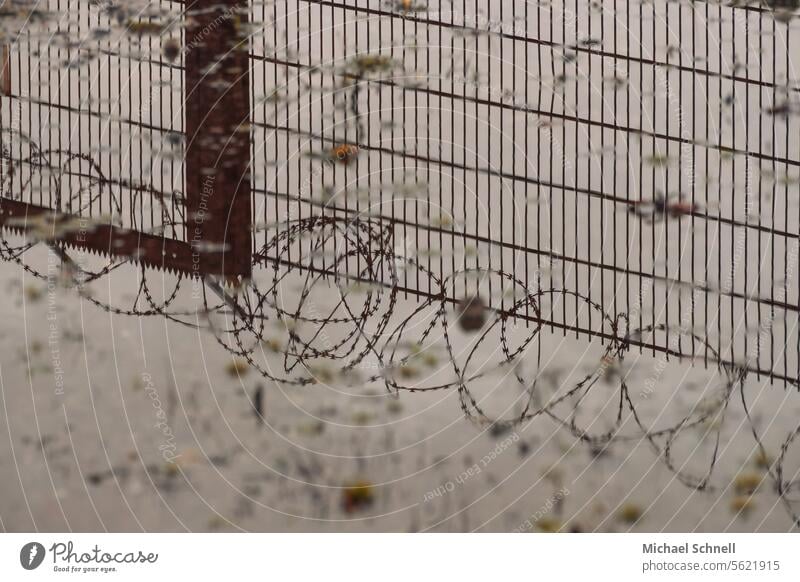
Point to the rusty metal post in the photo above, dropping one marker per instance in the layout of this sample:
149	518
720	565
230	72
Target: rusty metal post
5	75
217	110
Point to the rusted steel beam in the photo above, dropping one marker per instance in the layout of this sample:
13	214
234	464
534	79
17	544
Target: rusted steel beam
217	112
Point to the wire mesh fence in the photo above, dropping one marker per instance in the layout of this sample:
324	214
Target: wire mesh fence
92	118
638	157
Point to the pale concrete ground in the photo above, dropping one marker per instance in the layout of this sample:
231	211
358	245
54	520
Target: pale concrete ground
94	457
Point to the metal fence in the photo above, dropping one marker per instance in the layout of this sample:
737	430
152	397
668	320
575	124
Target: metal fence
641	157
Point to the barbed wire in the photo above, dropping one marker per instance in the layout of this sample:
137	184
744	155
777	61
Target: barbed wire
369	325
